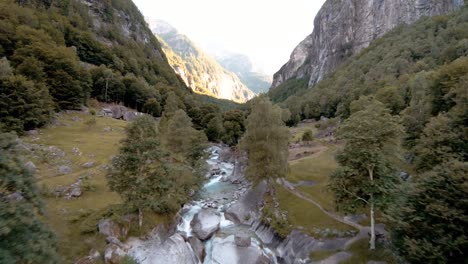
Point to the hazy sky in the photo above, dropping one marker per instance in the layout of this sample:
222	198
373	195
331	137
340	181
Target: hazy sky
266	31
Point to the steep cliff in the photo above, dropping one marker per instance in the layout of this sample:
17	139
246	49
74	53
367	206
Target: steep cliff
199	71
344	27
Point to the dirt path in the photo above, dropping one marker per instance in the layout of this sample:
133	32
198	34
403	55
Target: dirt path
330	214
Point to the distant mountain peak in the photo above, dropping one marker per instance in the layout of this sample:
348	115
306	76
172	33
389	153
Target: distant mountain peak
198	69
160	27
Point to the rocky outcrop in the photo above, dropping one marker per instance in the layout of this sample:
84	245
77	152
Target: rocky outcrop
343	28
205	223
198	69
172	250
226	251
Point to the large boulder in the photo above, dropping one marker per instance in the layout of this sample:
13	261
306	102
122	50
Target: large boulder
242	239
118	111
225	251
109	228
172	250
205	223
246	209
297	247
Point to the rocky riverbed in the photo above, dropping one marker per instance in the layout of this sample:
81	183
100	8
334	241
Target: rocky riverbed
222	225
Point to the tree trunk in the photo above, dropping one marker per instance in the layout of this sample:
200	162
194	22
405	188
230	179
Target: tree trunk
107	86
140	218
372	238
371	201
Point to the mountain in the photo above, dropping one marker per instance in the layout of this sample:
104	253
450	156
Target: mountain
198	69
242	66
343	28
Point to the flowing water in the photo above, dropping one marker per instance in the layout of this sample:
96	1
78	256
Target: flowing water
219	193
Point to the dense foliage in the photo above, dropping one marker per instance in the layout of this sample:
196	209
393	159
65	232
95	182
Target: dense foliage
150	175
23	237
64	52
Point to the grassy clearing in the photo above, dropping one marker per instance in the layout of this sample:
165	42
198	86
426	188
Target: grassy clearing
362	254
298	131
306	215
321	254
316	168
75	220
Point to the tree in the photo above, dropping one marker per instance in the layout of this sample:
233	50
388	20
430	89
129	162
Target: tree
214	129
23	238
182	139
139	173
24	105
152	107
266	142
430	225
366	176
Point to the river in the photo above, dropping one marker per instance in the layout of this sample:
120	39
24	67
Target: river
210	238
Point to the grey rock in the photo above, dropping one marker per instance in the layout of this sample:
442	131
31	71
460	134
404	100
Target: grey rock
31	166
118	111
76	151
107	129
54	152
342	28
115	241
171	250
65	170
205	223
198	248
113	254
130	116
225	251
32	132
297	246
109	228
89	164
242	239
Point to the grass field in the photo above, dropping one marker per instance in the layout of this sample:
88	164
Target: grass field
75	220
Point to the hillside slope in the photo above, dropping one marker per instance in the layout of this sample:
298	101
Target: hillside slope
343	28
198	70
241	65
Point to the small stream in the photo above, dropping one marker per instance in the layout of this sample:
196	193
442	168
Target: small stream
218	194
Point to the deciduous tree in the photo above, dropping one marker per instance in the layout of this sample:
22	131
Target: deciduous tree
366	176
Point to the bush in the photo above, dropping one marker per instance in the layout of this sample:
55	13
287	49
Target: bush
307	136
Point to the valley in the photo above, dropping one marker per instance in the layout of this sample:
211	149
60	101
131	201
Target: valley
122	141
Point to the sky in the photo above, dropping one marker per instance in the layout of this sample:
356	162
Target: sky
266	31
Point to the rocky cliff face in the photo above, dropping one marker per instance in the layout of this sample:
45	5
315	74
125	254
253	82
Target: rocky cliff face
344	27
199	71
